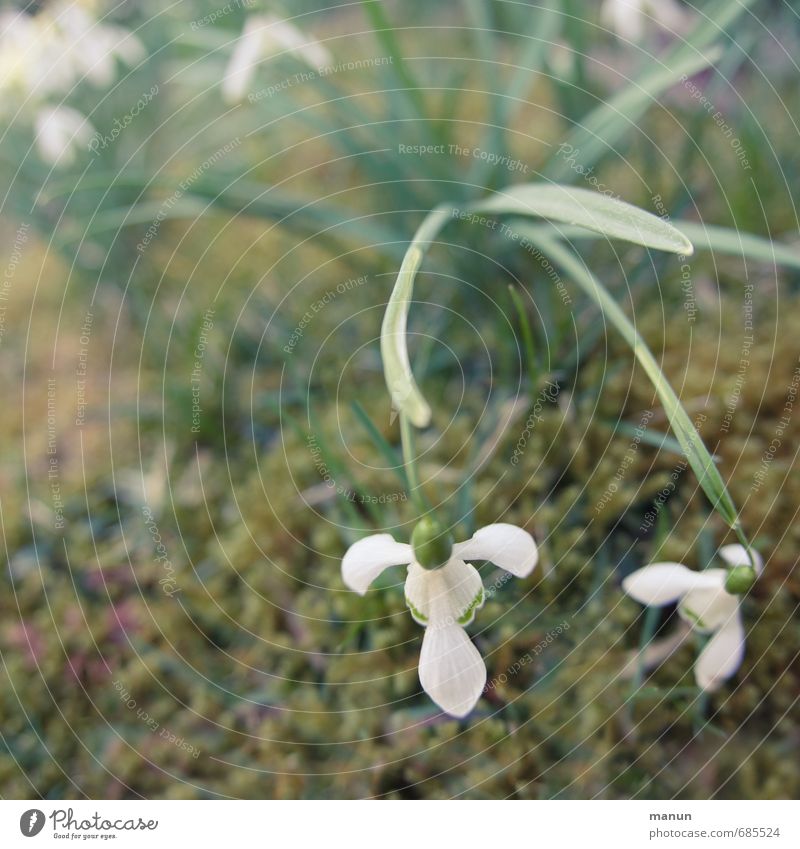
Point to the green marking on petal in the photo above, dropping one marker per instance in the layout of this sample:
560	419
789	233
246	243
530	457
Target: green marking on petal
419	617
467	616
693	616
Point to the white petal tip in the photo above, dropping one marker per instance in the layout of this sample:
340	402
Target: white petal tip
507	546
451	670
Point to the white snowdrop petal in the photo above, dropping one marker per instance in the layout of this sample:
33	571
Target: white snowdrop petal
624	17
708	608
736	555
507	546
721	656
631	19
451	670
664	583
60	130
367	558
242	65
455	591
669	14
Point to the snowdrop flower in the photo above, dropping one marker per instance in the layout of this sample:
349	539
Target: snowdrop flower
443	592
43	56
708	601
629	19
94	47
262	37
49	52
60	132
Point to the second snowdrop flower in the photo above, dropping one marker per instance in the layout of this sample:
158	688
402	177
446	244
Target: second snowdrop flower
443	592
708	601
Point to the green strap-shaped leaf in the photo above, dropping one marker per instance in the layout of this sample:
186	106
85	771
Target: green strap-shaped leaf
561	204
738	243
588	209
710	237
691	444
406	397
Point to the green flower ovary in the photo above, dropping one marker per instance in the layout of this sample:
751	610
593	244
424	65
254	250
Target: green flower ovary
432	543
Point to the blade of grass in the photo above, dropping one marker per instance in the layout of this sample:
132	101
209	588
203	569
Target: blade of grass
589	209
647	437
389	453
479	17
385	33
527	339
605	125
600	131
691	444
736	243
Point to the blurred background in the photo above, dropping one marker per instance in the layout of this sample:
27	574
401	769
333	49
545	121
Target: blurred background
204	206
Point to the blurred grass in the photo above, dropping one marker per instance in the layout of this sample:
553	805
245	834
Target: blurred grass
283	683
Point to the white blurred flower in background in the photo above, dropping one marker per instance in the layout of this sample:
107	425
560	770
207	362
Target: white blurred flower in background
61	132
43	56
631	19
263	37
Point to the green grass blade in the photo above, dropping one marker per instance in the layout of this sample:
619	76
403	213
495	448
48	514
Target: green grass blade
389	452
527	339
607	123
710	237
479	17
692	446
592	210
548	24
384	31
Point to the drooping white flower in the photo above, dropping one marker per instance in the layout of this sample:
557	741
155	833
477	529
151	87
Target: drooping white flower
48	52
44	55
706	604
60	132
262	37
630	19
94	47
444	600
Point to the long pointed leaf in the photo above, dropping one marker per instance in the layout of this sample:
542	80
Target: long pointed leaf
592	210
710	237
729	241
589	209
691	444
400	381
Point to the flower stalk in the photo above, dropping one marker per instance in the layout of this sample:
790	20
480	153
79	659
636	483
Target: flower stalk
415	492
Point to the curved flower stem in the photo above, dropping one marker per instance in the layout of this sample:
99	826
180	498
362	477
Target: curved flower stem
746	545
410	462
